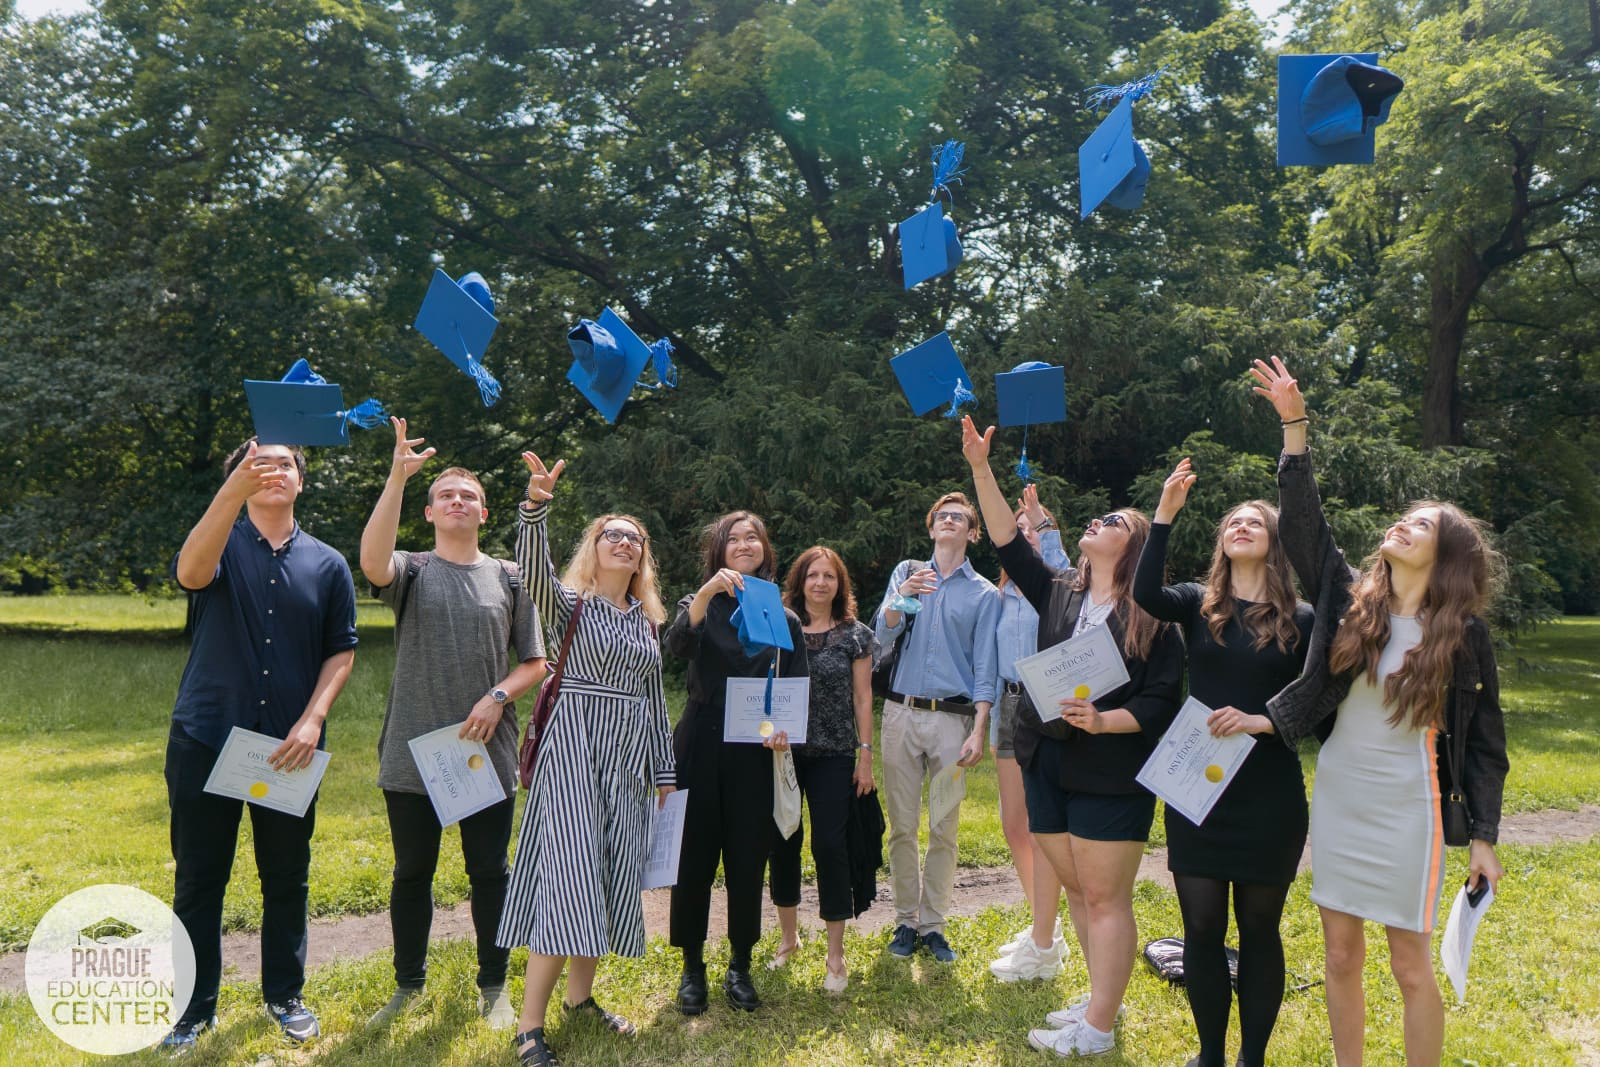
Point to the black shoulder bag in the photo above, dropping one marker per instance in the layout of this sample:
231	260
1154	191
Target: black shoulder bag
883	673
1453	803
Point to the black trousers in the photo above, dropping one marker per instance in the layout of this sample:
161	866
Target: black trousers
728	819
485	835
828	783
205	831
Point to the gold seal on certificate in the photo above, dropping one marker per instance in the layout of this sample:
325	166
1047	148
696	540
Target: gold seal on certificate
458	773
1189	768
766	729
243	773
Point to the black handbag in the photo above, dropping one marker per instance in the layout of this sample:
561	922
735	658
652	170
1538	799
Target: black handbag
1454	817
1165	957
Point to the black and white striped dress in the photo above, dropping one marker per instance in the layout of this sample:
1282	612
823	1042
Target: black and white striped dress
580	854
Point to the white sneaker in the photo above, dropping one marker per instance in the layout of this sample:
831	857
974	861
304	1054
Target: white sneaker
1073	1013
1025	934
1029	962
1080	1039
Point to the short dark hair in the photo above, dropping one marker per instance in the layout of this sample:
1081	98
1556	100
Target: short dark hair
237	456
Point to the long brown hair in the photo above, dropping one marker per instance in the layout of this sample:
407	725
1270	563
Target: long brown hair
794	586
714	543
644	586
1139	627
1267	620
1465	568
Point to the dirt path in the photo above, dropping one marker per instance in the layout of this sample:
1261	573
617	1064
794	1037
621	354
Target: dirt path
977	888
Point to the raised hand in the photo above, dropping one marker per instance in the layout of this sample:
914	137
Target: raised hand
1175	492
1280	387
250	477
1031	506
975	446
541	480
407	460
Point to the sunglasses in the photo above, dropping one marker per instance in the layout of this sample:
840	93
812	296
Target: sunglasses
1112	519
950	516
616	537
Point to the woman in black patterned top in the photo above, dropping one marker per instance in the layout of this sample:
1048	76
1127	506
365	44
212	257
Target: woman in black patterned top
835	763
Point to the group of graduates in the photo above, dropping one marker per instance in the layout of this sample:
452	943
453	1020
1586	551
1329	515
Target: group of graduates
1390	665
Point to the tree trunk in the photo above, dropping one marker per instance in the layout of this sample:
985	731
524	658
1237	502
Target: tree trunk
1451	294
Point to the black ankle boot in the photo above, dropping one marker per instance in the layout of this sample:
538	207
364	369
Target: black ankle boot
741	991
692	990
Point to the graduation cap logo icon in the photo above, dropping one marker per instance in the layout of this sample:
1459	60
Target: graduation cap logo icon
1112	167
1329	107
458	317
607	359
931	374
1028	394
759	618
108	931
304	408
929	245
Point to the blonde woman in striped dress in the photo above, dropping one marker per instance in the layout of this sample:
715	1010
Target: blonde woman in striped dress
574	889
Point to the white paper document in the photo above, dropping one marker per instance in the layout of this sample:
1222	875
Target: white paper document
747	719
242	772
666	841
946	790
1455	951
1087	667
459	774
1190	769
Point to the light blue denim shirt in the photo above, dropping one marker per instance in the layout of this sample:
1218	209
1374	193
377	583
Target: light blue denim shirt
951	649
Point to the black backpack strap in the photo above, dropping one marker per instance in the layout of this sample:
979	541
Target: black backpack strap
513	577
414	564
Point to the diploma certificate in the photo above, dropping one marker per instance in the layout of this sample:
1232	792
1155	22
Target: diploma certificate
242	772
1087	667
747	720
666	841
459	774
945	792
1189	768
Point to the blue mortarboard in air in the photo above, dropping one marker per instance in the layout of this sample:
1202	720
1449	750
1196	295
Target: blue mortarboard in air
931	374
759	618
303	408
458	317
607	359
1112	167
1329	107
1028	394
929	246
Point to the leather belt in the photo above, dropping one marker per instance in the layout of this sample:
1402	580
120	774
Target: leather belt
956	705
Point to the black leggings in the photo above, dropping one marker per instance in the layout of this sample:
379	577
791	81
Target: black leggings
1257	908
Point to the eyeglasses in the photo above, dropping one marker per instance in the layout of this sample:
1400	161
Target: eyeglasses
1112	519
615	536
950	516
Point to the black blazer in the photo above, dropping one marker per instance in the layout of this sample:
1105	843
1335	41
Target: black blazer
1474	722
1093	763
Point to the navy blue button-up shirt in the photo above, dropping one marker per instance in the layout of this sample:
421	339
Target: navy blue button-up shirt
261	632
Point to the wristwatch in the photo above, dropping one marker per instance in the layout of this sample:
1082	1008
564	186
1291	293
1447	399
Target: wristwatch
499	696
863	744
1046	524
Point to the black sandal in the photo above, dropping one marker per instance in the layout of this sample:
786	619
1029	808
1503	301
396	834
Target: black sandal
538	1053
615	1023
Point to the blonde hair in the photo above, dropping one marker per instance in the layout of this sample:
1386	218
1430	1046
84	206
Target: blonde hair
644	586
465	475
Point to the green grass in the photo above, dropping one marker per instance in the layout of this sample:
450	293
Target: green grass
115	613
1531	999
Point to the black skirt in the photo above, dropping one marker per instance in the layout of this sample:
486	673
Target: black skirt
1257	830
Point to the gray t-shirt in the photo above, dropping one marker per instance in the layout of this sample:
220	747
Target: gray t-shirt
453	643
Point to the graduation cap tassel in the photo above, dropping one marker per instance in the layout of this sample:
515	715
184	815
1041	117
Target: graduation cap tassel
962	397
947	167
1101	95
1024	468
367	414
488	388
666	370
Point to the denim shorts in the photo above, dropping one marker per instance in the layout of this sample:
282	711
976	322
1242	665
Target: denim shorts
1093	816
1003	723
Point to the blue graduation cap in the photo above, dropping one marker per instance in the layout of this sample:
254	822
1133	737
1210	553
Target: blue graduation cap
1329	107
931	374
458	317
929	246
607	359
304	408
1028	394
1112	168
759	617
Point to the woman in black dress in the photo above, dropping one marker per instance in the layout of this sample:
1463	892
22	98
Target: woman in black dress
728	817
1247	637
835	763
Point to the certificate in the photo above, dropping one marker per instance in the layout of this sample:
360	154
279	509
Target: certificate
945	793
1190	769
666	841
1455	951
747	719
243	773
1087	667
459	774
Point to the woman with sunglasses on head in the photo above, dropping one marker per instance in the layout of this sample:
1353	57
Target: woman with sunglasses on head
835	763
729	813
1079	761
1400	652
1246	637
574	891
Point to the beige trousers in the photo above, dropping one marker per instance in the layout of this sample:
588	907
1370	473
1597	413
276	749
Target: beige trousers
916	746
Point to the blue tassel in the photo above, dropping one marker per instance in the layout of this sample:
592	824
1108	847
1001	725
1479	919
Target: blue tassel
1024	469
488	388
962	397
947	167
1102	95
367	414
666	370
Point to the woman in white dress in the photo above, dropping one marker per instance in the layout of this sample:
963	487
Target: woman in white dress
1400	653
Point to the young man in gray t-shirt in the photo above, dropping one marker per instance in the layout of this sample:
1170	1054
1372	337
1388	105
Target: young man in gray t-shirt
467	644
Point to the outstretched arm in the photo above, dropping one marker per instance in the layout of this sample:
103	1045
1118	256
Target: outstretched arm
377	540
553	600
202	549
1302	526
991	501
1165	602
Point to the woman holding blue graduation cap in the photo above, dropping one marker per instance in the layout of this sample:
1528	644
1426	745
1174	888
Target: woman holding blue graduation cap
1246	637
729	812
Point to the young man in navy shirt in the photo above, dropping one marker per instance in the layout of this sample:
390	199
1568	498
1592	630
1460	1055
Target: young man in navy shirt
273	632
